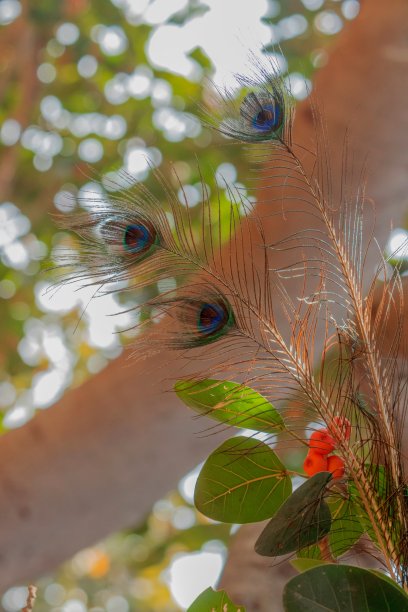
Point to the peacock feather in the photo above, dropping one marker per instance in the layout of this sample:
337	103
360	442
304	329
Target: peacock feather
232	310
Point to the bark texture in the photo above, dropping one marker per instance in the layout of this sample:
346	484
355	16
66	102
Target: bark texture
97	460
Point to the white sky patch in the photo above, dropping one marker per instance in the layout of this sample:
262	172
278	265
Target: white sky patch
67	33
161	92
44	340
350	9
90	150
183	518
139	82
46	73
39	141
115	90
15	598
158	11
226	173
189	575
62	299
169	44
87	66
189	195
17	416
176	125
7	393
64	200
292	26
187	484
102	325
9	11
312	427
15	255
262	436
10	132
313	5
298	85
102	311
111	39
48	386
74	605
138	160
397	246
13	224
328	22
91	194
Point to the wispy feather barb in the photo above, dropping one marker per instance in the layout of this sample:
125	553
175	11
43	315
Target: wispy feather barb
240	296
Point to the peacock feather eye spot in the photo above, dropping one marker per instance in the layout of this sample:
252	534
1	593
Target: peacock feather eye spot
214	318
263	114
137	238
268	118
123	238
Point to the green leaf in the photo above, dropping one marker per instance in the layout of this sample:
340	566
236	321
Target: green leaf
337	588
302	520
231	403
243	481
214	601
346	527
345	530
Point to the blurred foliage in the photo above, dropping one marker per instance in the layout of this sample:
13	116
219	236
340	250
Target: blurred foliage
81	97
130	571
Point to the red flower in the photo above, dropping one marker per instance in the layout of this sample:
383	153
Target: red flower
335	465
314	462
322	442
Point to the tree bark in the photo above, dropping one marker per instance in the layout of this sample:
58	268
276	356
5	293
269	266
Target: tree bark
97	460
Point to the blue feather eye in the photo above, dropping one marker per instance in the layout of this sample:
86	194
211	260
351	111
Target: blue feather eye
263	115
137	238
214	319
198	322
269	118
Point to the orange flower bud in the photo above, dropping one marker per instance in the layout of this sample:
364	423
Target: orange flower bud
344	425
314	462
322	442
335	465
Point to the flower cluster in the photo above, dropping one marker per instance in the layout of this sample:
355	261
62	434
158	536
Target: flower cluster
321	444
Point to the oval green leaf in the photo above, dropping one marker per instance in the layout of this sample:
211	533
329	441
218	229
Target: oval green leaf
336	588
346	528
243	481
302	520
230	403
214	601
